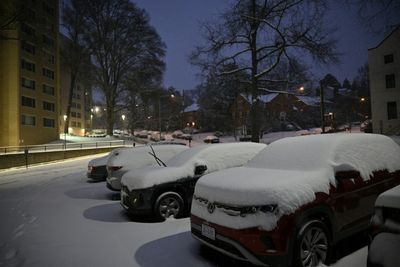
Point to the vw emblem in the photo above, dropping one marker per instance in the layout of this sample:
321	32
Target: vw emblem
210	207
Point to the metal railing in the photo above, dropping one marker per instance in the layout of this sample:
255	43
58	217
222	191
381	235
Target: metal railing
59	147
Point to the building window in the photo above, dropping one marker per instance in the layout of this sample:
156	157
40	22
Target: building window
28	47
48	122
392	110
48	106
27	65
78	114
48	57
47	40
27	101
48	73
48	90
28	120
390	81
26	83
25	28
73	114
388	58
78	106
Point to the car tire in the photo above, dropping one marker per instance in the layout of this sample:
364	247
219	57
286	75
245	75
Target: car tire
169	204
312	245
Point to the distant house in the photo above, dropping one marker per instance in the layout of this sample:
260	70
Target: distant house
190	116
277	108
384	75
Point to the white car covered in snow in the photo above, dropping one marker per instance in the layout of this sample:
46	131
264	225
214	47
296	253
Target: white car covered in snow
298	197
167	191
384	250
121	161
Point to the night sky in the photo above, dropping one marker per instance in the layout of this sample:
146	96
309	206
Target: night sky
178	23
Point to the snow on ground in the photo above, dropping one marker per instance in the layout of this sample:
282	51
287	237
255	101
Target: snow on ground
52	216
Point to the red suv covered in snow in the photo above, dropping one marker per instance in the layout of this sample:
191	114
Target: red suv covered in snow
299	196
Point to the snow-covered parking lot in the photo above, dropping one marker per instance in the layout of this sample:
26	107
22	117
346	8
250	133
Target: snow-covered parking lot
50	215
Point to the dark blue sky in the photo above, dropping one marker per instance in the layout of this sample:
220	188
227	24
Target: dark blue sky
178	23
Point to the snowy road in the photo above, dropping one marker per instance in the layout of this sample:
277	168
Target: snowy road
50	215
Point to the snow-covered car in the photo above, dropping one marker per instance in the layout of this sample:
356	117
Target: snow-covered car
211	139
385	245
167	191
297	198
121	161
177	134
186	136
97	168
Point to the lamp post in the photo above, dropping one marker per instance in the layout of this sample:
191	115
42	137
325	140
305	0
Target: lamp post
123	123
321	93
65	132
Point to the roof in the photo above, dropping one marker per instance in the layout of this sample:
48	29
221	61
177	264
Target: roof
387	37
192	108
310	100
263	98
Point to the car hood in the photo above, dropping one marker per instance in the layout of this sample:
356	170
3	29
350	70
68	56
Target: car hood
244	186
149	176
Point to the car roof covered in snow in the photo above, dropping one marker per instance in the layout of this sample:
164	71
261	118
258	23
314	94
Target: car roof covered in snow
340	152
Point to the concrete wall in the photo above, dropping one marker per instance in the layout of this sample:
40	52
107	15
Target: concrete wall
17	160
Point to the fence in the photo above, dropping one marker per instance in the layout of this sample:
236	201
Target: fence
59	147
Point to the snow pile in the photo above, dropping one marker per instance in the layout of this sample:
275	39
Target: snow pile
384	250
215	157
289	172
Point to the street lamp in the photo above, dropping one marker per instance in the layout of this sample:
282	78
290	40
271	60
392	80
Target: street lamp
123	123
301	89
65	132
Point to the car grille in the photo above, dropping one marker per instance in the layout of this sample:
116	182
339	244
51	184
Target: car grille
219	244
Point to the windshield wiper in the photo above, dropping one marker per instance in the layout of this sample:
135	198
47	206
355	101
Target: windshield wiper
158	160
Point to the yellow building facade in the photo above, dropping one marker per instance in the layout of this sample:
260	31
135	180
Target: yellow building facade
29	77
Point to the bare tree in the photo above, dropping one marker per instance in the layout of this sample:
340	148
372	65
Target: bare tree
377	15
256	35
12	13
74	52
116	33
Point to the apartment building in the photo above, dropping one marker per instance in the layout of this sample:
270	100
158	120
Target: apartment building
29	80
384	75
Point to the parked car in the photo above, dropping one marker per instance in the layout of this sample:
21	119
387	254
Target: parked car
211	139
177	134
298	197
97	168
121	161
167	191
385	239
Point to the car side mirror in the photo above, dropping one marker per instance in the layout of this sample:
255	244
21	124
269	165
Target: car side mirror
199	170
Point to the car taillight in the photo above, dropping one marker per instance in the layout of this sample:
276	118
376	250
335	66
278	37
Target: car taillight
114	168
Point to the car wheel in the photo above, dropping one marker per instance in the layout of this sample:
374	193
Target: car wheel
168	204
312	245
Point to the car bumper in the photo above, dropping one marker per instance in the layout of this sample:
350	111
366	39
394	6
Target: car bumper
99	174
246	244
136	202
113	183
